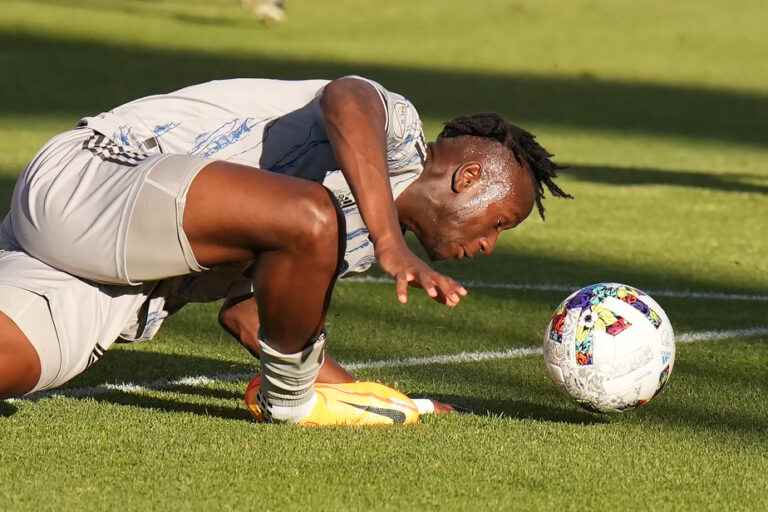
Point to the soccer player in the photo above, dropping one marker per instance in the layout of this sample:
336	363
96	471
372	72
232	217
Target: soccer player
267	11
262	192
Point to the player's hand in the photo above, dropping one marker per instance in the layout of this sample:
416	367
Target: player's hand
408	269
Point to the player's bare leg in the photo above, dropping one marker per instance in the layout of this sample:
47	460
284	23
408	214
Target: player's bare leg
236	214
19	362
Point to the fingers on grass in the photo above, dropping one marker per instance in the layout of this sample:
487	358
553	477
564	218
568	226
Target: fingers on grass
452	291
429	286
401	288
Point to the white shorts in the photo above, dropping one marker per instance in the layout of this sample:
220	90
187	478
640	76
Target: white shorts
69	321
105	212
93	228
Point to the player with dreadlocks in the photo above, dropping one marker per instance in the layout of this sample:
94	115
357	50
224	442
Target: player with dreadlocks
528	153
262	193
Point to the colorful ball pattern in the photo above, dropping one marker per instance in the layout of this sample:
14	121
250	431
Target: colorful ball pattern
609	346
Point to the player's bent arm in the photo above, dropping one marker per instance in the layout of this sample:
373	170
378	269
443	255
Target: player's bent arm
355	121
240	318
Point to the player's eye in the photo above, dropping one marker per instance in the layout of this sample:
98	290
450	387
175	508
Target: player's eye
499	223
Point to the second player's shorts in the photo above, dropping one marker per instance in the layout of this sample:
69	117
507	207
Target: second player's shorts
103	211
69	321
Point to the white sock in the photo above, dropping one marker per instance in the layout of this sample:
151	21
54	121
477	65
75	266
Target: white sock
287	380
294	413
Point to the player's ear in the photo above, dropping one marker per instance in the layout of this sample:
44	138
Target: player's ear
465	176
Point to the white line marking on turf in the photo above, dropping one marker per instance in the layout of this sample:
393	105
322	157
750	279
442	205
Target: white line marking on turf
570	288
463	357
693	337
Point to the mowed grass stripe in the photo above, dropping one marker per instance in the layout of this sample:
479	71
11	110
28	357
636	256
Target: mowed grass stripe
573	287
462	357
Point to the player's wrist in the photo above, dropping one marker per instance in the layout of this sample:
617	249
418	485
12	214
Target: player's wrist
390	243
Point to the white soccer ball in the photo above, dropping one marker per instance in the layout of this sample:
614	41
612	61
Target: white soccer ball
609	346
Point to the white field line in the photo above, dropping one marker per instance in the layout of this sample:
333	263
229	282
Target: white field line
570	288
462	357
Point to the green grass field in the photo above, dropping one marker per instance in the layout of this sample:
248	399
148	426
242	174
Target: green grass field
660	110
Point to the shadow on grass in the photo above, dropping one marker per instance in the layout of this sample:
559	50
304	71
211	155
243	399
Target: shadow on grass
87	83
151	369
174	405
7	409
637	176
206	392
518	409
705	419
125	366
6	192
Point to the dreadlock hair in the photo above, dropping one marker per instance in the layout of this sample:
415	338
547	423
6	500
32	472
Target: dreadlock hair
523	145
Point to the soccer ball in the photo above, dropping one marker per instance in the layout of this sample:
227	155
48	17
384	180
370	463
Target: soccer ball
610	347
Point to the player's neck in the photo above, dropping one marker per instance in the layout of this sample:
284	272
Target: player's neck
409	202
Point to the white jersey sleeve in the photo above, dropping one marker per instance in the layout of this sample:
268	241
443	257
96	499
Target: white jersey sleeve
406	147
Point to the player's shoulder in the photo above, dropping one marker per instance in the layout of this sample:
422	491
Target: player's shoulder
402	115
406	147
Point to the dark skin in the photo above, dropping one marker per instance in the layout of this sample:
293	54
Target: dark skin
471	189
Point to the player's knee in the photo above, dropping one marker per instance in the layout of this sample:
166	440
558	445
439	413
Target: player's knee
19	362
320	233
19	371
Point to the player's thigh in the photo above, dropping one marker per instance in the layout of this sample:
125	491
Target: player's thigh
234	212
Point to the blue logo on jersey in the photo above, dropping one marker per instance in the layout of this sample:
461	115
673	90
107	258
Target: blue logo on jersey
165	128
209	143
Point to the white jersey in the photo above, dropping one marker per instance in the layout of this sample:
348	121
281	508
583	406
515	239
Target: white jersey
270	124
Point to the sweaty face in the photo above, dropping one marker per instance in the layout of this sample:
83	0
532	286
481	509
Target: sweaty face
468	222
472	229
